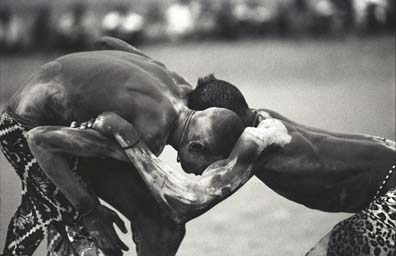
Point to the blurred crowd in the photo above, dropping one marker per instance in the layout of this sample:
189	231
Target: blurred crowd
74	26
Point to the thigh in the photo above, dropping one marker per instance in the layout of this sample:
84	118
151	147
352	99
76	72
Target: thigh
120	184
369	232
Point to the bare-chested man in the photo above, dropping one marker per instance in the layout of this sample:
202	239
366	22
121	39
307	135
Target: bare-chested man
188	196
80	86
323	170
320	169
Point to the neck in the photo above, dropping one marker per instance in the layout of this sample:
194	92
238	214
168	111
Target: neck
181	127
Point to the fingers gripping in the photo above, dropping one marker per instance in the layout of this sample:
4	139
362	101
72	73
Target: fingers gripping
84	125
271	132
120	223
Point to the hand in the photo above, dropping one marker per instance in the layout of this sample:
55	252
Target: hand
269	132
84	125
107	123
99	224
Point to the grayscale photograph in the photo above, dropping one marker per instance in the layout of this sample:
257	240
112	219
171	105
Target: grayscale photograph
197	127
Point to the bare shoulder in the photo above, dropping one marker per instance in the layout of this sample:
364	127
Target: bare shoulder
33	97
50	70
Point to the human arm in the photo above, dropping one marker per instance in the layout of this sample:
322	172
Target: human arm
186	196
52	146
267	113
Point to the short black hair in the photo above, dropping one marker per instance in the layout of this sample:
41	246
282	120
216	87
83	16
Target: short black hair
213	92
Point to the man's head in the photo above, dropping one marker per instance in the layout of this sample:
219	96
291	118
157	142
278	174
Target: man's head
212	92
210	136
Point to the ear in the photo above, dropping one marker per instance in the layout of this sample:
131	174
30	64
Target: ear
195	146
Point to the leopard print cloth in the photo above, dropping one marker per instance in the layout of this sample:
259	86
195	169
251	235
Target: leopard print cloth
44	209
369	232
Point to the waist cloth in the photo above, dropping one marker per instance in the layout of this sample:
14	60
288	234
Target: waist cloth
43	204
369	232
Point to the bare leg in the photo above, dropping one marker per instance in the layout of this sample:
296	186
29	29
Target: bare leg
116	182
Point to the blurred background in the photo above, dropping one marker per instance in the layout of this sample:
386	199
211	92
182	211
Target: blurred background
324	63
71	25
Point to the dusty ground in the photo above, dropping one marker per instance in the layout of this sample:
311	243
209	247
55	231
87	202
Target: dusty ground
346	86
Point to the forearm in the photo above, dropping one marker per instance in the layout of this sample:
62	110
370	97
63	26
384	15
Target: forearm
51	144
70	185
58	170
79	142
184	195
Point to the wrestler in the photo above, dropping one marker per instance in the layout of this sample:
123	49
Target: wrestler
323	170
369	232
212	92
331	171
320	169
80	86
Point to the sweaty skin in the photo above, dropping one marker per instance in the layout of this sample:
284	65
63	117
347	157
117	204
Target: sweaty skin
80	86
187	196
321	169
144	92
184	195
324	170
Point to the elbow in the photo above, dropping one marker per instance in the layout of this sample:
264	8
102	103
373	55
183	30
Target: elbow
35	138
187	208
244	150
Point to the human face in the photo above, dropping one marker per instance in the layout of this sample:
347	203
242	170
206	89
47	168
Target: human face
195	157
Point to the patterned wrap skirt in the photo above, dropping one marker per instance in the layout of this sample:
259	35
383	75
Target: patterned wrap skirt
44	210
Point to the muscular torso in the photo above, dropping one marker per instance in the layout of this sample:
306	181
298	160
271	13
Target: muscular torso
327	171
80	86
